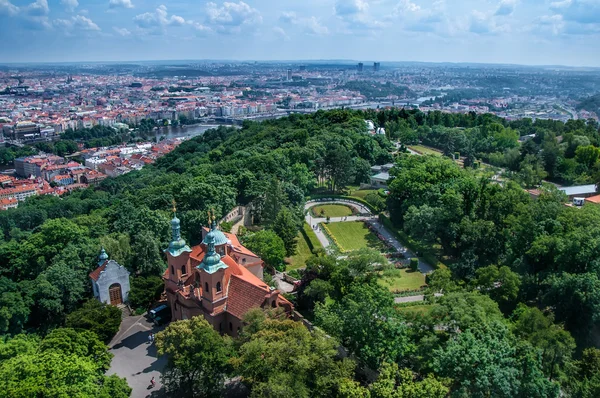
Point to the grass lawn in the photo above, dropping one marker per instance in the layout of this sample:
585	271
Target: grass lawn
331	211
402	279
362	193
353	235
303	251
421	309
425	150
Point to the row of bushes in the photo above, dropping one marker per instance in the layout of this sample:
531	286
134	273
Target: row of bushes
352	198
309	236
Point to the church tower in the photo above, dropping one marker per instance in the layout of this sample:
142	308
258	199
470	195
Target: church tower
212	272
178	252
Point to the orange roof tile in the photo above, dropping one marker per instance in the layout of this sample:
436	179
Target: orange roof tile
95	274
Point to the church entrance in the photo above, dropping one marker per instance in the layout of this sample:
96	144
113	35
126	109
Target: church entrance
114	293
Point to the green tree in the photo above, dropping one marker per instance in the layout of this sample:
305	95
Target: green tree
102	319
366	324
483	362
500	283
394	382
197	358
268	246
145	291
148	260
282	358
286	227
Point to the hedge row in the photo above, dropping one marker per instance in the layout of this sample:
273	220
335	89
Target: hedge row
352	198
309	236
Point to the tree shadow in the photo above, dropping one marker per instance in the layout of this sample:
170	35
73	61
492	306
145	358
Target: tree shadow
133	341
157	365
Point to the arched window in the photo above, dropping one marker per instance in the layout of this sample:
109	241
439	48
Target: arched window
243	260
274	303
230	327
218	287
206	287
172	270
183	271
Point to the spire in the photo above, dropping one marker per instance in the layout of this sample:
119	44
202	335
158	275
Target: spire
102	257
212	260
177	244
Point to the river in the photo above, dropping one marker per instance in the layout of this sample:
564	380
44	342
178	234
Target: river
185	131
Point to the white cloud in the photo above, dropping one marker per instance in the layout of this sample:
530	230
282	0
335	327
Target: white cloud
38	8
8	8
406	6
232	17
280	33
355	13
84	23
157	21
77	22
579	11
310	25
506	7
120	4
70	5
122	31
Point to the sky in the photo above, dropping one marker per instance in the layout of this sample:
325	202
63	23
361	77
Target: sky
530	32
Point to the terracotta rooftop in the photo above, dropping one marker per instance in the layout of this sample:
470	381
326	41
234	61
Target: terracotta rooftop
95	274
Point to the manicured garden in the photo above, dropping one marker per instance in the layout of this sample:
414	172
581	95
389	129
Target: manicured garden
304	249
349	236
425	150
398	280
420	309
331	210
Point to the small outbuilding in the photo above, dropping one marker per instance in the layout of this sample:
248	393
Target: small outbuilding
110	281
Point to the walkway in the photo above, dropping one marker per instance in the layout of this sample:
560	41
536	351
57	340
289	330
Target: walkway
366	215
412	299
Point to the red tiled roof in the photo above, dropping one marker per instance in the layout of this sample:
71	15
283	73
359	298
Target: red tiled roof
593	199
95	274
243	296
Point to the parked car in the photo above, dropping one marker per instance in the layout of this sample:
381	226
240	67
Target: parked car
160	315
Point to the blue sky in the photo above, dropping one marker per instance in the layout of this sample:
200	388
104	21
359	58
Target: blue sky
563	32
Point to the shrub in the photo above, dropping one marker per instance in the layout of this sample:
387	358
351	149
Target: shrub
414	264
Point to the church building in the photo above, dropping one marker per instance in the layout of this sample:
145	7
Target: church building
219	279
110	281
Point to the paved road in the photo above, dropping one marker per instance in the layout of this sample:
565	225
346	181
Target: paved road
412	299
136	359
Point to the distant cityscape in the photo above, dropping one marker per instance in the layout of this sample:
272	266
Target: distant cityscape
48	174
39	102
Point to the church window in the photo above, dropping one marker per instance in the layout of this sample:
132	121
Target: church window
183	271
206	287
243	260
172	270
230	327
218	287
274	303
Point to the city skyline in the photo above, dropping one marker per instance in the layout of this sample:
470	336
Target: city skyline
521	32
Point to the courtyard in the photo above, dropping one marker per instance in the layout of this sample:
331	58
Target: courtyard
135	358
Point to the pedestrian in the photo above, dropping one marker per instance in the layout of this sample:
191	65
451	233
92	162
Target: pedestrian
150	338
152	382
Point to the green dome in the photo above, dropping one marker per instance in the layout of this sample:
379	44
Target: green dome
102	257
212	260
218	236
177	244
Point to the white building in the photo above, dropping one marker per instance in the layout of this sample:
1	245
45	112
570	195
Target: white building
110	281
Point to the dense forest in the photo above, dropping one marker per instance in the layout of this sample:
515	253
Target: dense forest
565	153
520	304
